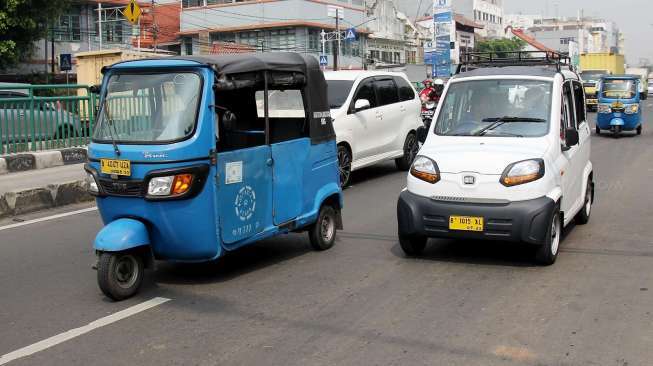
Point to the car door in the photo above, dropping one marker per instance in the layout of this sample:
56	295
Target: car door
583	126
569	169
363	122
388	130
409	106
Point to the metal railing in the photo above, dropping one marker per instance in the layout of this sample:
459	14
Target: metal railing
41	117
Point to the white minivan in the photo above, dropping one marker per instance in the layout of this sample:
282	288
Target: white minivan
507	158
375	116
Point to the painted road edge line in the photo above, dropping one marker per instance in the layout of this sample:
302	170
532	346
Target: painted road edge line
73	333
47	218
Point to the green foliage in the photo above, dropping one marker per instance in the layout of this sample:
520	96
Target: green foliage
21	23
499	47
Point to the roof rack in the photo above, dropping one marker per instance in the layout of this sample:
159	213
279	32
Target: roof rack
475	60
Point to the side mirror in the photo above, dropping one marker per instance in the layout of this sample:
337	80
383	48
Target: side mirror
421	134
361	104
571	137
94	89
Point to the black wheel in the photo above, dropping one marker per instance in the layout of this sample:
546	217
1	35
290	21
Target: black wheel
639	129
323	233
344	165
412	245
583	216
547	253
120	275
411	147
598	130
616	132
64	132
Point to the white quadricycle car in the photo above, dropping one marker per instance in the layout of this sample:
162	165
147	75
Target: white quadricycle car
375	115
508	158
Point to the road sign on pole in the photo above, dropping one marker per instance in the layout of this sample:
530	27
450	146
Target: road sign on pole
65	62
132	12
324	60
350	34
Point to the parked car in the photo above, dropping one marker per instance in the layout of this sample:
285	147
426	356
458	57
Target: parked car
493	168
22	118
376	115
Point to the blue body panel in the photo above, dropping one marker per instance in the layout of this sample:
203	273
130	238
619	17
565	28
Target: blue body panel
121	234
284	183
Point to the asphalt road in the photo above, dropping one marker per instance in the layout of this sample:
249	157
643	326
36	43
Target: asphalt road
362	302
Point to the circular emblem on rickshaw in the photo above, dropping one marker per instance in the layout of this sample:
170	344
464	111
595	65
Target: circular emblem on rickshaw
245	203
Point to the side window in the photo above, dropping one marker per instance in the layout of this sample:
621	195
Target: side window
366	91
387	91
282	104
579	102
405	90
569	106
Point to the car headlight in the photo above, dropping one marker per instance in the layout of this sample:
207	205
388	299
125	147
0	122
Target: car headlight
91	183
631	108
425	169
521	172
604	108
172	185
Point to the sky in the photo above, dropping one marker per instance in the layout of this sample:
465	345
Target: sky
634	17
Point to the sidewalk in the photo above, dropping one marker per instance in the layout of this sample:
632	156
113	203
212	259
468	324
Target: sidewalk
39	189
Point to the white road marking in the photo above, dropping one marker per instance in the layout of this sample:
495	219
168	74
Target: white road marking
47	218
73	333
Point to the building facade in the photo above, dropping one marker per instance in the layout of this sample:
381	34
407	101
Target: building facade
488	13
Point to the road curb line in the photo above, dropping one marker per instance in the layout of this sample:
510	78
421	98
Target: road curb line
35	199
42	159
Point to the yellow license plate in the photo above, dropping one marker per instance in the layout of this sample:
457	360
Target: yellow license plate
466	223
115	167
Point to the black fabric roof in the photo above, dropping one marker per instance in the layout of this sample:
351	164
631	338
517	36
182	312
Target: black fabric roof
249	62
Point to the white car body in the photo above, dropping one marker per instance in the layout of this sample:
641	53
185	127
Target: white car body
483	159
376	134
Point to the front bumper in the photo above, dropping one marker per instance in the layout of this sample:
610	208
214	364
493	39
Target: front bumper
521	221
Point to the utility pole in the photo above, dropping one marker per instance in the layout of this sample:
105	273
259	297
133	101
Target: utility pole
155	27
45	44
336	50
99	24
52	47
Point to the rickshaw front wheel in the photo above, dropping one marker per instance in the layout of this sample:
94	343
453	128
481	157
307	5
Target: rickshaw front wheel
639	129
120	275
323	233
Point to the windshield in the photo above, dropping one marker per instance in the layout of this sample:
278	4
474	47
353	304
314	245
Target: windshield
338	92
618	88
510	108
591	75
149	107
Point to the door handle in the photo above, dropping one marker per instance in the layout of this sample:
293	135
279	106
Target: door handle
269	162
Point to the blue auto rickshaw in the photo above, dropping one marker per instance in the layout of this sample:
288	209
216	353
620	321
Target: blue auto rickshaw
193	157
618	108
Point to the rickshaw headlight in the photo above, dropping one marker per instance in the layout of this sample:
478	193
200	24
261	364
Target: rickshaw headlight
160	186
604	108
92	184
425	169
522	172
632	108
173	185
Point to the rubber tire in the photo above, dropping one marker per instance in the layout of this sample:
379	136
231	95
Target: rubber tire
412	245
639	129
598	130
543	255
404	163
344	150
65	132
107	280
616	133
318	242
582	217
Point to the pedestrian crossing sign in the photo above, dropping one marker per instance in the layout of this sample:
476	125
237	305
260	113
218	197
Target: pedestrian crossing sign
132	12
350	34
323	60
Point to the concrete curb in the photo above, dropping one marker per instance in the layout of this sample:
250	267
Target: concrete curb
42	159
53	195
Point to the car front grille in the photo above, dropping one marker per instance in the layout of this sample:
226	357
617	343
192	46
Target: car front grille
122	188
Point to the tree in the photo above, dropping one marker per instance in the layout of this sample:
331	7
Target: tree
499	47
21	23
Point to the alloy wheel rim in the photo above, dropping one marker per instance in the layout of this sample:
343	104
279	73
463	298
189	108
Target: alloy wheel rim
344	166
327	228
126	271
411	148
588	200
555	235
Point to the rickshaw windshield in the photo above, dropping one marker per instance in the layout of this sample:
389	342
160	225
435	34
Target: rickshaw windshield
149	108
619	88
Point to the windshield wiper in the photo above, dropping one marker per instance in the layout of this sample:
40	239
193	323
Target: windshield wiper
499	121
109	120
